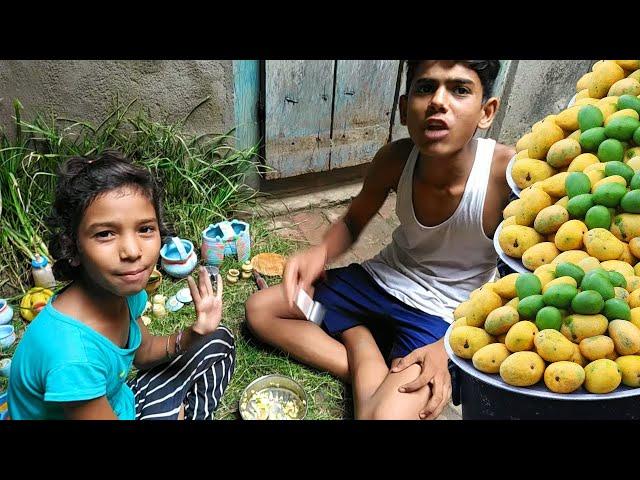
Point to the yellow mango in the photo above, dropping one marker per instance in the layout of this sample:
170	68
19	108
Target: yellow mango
524	142
602	244
627	112
598	346
634	163
520	337
482	305
564	377
555	186
607	106
634	299
563	202
627	256
489	358
582	98
602	376
512	208
618	266
600	166
527	171
522	369
626	226
461	310
458	323
575	135
543	138
579	163
539	254
610	179
534	199
570	235
560	280
584	81
516	239
635	74
545	273
506	286
634	246
625	336
577	356
500	320
577	327
589	263
466	340
604	76
629	366
513	302
571	256
552	346
626	86
550	219
568	119
628	64
633	283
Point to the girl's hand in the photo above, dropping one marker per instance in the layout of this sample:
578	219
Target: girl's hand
208	305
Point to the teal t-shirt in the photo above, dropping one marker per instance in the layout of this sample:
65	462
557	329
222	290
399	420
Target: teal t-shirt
60	359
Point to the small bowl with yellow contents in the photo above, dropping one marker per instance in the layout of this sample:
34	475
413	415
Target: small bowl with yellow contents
273	397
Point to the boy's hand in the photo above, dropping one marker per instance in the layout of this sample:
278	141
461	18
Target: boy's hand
433	361
208	305
302	270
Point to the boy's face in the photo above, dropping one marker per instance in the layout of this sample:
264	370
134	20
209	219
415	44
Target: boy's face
444	107
119	241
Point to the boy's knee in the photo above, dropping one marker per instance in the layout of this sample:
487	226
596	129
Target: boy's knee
382	410
253	308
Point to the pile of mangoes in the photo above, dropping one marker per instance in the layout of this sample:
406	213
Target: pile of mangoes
570	326
602	125
580	175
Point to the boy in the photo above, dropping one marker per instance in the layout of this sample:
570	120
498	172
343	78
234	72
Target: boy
451	189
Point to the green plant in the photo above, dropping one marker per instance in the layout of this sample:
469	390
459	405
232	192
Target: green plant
202	175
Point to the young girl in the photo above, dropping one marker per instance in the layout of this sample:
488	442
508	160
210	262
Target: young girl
74	358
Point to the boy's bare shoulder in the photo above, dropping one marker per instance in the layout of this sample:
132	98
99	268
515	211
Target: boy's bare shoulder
391	159
502	154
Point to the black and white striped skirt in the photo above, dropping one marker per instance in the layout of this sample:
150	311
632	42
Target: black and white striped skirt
196	379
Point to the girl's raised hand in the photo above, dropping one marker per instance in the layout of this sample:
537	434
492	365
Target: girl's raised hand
208	304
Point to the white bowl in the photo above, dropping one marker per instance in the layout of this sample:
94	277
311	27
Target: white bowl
514	263
572	101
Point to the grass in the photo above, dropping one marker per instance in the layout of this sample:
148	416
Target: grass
328	397
202	176
203	183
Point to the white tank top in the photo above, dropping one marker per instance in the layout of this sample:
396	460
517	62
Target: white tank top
435	268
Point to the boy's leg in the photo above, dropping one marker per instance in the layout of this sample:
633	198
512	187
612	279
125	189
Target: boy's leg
191	383
375	390
368	367
272	321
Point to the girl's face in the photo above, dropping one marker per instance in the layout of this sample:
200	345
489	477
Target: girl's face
119	241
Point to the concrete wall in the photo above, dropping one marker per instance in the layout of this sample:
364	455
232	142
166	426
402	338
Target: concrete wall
534	89
84	89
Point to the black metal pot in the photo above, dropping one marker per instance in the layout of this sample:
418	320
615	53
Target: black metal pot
487	397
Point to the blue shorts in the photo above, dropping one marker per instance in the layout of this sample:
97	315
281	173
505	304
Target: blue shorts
352	297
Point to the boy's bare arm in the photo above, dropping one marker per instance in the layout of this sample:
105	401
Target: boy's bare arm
306	267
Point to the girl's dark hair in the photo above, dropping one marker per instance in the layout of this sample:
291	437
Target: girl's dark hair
487	70
80	181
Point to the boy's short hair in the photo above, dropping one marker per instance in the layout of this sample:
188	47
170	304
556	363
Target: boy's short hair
487	70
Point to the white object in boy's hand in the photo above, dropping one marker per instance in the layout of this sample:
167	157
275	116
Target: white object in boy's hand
313	311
